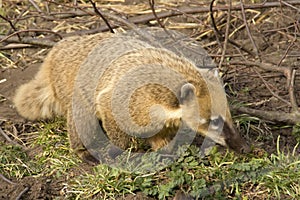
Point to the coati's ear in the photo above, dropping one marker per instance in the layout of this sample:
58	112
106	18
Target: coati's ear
187	93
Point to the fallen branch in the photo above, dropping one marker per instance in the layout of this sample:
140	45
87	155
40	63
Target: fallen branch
226	35
270	90
36	6
275	116
264	66
15	46
21	193
7	138
10	140
184	9
7	180
29	40
30	30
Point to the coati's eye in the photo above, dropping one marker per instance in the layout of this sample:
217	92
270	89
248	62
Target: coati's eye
217	123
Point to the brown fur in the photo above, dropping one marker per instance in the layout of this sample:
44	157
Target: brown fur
50	92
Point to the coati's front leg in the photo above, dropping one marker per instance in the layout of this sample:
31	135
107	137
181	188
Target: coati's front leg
76	143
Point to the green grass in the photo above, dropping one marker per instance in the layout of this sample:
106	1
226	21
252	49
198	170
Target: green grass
52	154
14	162
296	132
56	156
217	176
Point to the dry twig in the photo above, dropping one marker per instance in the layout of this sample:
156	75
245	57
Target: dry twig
35	5
287	51
152	3
275	116
97	11
248	30
270	90
7	180
226	34
30	30
29	40
21	193
9	140
220	36
11	25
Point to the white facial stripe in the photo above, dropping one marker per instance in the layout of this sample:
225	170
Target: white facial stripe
216	122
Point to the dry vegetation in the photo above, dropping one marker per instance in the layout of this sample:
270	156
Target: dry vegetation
254	43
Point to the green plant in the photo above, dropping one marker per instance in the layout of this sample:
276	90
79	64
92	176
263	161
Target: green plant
15	163
296	132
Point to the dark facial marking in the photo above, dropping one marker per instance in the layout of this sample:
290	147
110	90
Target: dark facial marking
234	140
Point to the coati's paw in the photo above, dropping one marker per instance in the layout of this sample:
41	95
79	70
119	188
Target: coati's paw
87	157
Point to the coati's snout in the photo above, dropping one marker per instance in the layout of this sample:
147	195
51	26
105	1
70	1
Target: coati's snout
217	127
233	139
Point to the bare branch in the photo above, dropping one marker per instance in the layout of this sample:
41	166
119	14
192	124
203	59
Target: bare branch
270	90
8	139
97	11
29	40
152	3
290	5
248	30
265	66
7	180
275	116
226	34
287	51
30	30
21	193
35	5
220	36
291	84
11	25
16	46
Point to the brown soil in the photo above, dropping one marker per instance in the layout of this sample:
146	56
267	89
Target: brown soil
246	86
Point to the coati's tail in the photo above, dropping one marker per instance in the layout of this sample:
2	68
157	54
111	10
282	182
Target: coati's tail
36	100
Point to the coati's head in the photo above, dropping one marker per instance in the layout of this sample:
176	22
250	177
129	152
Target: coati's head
207	112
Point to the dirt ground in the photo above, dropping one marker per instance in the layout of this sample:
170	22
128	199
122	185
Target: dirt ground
247	85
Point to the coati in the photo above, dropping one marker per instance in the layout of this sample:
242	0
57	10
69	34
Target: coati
134	88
